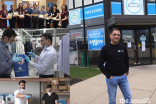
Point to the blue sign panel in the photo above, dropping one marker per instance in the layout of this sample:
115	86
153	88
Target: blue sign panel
94	11
96	39
151	8
116	8
143	38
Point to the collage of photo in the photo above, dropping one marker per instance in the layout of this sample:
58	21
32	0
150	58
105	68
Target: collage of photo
34	52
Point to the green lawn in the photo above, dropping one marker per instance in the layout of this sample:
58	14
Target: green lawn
83	73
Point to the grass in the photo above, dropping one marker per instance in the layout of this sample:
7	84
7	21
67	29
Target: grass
83	73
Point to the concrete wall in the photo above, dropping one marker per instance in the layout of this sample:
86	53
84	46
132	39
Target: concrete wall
31	88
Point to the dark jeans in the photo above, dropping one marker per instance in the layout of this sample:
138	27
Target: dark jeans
41	23
20	22
27	22
12	25
35	23
46	76
64	25
55	24
48	23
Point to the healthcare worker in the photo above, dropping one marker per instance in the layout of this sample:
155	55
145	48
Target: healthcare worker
21	11
20	95
13	20
41	20
50	97
3	15
27	19
7	59
47	58
35	18
48	21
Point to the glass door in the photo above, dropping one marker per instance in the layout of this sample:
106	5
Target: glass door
143	45
128	39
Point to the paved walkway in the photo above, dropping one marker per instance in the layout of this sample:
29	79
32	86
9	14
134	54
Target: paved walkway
142	81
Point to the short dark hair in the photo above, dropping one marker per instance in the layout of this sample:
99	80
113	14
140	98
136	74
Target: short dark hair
48	36
48	86
55	5
11	6
65	7
22	81
42	7
114	29
9	33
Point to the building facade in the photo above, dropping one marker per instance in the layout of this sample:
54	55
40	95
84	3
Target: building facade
91	21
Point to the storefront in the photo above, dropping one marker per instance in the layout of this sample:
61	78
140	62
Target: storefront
91	21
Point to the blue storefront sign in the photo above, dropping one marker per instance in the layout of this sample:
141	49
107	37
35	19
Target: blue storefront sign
94	11
96	39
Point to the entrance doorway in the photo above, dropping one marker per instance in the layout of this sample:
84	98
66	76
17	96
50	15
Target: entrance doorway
138	46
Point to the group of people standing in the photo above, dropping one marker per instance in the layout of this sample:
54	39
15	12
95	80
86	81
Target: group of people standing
32	19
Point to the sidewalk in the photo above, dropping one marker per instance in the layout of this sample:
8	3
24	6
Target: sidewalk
142	80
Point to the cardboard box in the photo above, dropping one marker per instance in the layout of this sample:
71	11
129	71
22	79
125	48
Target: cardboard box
68	87
54	88
29	101
54	81
62	87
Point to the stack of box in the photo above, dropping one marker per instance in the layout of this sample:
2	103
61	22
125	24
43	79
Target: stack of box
54	83
10	99
2	99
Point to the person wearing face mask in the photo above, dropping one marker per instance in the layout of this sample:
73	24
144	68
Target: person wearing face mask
47	58
50	97
7	59
20	95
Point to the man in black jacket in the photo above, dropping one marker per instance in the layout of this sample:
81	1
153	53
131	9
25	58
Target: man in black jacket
116	68
13	20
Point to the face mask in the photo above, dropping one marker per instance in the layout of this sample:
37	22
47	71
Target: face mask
46	46
49	93
8	44
22	89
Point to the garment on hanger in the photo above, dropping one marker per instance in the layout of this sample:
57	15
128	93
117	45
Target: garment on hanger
28	47
64	55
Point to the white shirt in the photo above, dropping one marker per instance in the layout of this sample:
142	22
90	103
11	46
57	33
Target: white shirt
46	61
20	100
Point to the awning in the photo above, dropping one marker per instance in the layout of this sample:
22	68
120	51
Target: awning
132	20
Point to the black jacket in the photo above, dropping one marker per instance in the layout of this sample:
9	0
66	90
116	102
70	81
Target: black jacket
13	20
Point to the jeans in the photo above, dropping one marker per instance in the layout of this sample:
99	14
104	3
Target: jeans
41	23
35	23
27	22
123	83
48	23
64	25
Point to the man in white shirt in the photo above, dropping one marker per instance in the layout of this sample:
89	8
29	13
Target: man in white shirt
47	58
20	95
